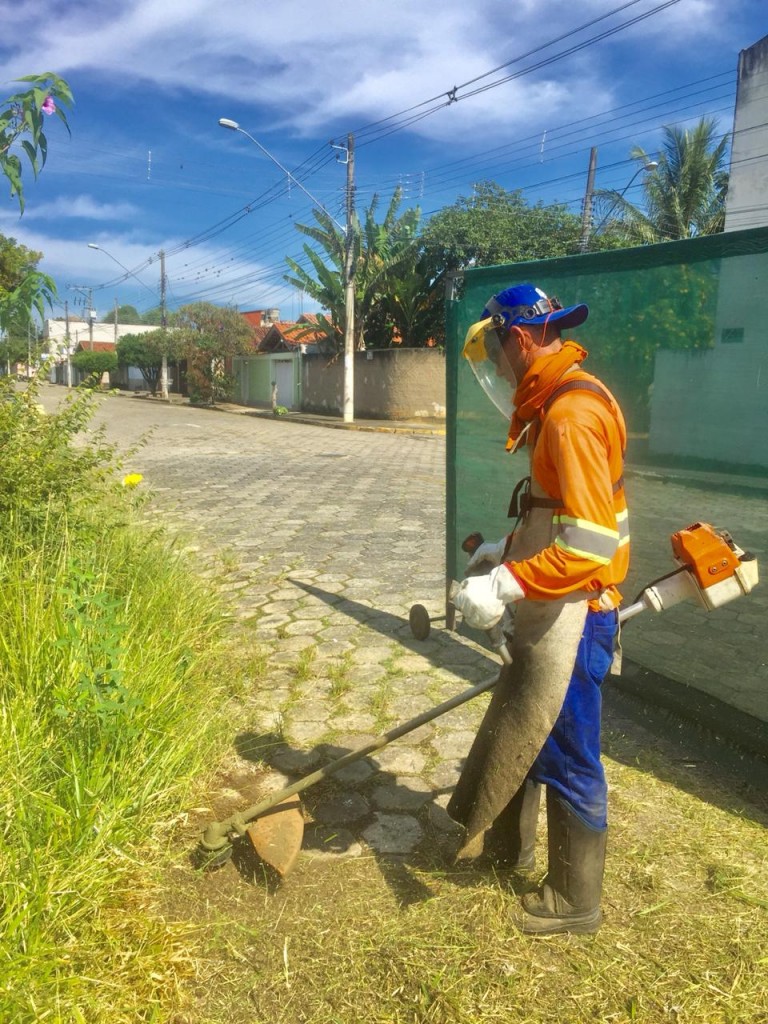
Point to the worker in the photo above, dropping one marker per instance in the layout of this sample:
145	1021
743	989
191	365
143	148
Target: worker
559	567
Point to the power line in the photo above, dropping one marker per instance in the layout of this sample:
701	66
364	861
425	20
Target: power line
452	94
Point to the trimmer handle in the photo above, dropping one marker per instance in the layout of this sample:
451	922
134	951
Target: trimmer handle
471	543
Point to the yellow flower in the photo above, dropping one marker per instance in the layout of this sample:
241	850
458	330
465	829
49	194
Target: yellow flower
132	480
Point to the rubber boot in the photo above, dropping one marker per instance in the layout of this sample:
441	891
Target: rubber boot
511	841
569	898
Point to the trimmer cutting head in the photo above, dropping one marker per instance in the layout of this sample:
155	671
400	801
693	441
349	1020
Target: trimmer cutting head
277	835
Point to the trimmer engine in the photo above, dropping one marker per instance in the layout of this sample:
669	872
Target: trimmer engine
713	571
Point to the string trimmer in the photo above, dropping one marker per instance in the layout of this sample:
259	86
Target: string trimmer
712	570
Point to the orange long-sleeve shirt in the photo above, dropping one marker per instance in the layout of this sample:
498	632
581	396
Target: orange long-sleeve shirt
578	457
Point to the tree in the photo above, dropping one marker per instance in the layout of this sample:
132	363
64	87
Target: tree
496	226
23	289
683	197
409	311
206	336
152	316
93	365
21	120
17	306
379	250
17	328
146	352
15	262
123	315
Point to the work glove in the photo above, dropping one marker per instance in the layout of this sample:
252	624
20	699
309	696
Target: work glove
488	553
482	599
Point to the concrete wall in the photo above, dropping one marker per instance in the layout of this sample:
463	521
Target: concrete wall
390	384
747	203
693	412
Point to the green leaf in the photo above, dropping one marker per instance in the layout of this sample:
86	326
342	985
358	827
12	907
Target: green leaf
63	118
42	145
12	170
31	152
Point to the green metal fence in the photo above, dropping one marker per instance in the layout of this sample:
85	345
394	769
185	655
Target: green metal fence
679	333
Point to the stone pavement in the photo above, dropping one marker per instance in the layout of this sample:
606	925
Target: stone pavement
330	537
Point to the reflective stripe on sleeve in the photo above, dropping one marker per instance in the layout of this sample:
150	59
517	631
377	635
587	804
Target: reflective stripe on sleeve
585	539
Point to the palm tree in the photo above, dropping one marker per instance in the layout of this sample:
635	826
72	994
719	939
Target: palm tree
379	249
684	196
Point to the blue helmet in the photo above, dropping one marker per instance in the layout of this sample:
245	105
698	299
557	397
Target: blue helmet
527	304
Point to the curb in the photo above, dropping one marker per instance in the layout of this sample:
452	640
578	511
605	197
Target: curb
370	426
386	427
742	485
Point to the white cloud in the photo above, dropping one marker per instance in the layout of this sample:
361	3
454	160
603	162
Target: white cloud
83	206
316	60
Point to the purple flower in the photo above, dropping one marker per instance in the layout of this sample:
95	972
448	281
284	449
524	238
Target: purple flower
48	106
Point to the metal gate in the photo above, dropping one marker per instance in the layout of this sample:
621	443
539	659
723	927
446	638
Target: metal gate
283	378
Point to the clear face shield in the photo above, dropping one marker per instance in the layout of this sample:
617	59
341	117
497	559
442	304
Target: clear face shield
485	355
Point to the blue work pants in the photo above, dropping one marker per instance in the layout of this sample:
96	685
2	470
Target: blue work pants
569	761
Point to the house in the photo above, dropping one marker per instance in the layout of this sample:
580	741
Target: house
65	336
272	374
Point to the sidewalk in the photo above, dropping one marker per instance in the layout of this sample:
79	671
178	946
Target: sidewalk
427	428
418	427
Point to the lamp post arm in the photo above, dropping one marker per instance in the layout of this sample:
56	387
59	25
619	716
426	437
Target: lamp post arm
651	166
235	127
92	245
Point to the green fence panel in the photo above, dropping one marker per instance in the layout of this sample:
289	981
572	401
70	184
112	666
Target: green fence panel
679	333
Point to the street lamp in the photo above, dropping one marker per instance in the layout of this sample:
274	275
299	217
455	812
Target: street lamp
164	367
650	165
348	275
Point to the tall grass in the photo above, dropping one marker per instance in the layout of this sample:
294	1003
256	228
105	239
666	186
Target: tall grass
108	658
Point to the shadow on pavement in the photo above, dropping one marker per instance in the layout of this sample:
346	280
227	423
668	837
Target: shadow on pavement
389	624
348	812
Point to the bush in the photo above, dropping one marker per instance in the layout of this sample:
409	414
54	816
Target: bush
45	473
108	688
94	365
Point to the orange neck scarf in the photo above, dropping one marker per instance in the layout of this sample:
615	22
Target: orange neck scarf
540	380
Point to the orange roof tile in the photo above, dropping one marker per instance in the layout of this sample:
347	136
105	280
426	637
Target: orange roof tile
96	346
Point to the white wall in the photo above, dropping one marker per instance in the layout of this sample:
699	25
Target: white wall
79	333
747	203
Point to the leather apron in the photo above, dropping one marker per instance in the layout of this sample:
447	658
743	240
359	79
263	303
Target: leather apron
527	698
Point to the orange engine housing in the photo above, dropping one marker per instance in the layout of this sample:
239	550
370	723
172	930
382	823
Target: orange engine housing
708	553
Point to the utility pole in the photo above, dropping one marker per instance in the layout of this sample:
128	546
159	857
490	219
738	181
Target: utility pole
586	211
91	314
67	343
349	288
163	325
115	320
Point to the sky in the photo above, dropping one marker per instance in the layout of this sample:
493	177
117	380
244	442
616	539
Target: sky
438	97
